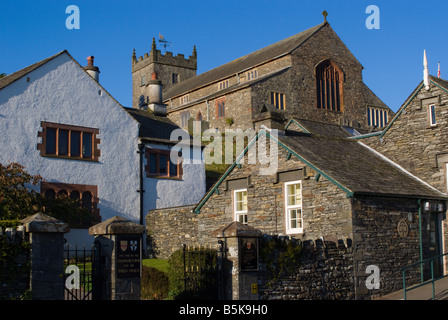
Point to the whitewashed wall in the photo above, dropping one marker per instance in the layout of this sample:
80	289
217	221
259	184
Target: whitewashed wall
166	193
61	91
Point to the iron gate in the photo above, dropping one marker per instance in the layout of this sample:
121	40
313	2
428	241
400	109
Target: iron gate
82	273
203	273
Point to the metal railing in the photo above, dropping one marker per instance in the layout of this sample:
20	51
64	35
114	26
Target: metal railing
422	282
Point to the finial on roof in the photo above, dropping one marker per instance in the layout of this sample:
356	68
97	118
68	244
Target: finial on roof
195	53
425	71
325	14
153	46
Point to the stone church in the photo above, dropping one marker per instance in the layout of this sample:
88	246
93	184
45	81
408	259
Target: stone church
311	75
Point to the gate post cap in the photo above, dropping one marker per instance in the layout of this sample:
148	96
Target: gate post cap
41	222
116	225
237	229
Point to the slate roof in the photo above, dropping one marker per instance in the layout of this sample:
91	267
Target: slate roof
353	166
318	128
152	127
275	50
357	167
443	83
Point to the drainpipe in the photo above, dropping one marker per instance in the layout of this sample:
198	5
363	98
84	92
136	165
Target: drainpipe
420	236
141	148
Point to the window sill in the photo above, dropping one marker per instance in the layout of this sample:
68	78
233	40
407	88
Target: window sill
289	233
164	178
70	158
329	110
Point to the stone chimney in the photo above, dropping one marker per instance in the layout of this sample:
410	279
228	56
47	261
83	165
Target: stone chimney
155	96
91	69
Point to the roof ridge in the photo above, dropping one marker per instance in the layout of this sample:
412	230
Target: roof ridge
440	81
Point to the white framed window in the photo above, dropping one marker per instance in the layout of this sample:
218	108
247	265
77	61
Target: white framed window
446	176
432	115
240	205
293	207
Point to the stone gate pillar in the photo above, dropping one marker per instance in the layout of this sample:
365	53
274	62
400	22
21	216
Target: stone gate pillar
46	236
120	247
241	262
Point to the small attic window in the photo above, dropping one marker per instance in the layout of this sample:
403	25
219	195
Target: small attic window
223	85
251	75
184	99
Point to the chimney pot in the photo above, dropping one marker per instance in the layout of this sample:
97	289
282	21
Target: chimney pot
154	76
91	69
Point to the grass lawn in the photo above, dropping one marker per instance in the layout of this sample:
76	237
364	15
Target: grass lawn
159	264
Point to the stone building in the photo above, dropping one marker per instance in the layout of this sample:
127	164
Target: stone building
311	75
416	138
327	187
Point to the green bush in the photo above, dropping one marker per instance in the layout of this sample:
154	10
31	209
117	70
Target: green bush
155	284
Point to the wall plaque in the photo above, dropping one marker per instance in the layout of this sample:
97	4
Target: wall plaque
128	257
403	228
248	254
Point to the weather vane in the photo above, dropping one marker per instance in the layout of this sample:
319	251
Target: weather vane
164	42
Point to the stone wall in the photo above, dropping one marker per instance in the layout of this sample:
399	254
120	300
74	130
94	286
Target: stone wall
377	241
337	268
324	272
168	229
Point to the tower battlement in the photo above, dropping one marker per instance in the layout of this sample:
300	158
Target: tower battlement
156	56
171	70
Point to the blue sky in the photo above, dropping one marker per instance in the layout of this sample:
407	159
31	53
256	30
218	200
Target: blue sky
226	30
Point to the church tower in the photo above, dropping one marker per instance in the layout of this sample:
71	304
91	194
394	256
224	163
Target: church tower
170	70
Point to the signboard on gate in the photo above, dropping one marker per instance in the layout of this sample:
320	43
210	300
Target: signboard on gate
128	257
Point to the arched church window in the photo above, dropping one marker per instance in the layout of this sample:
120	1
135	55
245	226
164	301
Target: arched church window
329	86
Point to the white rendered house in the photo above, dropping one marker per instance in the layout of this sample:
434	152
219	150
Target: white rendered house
59	122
